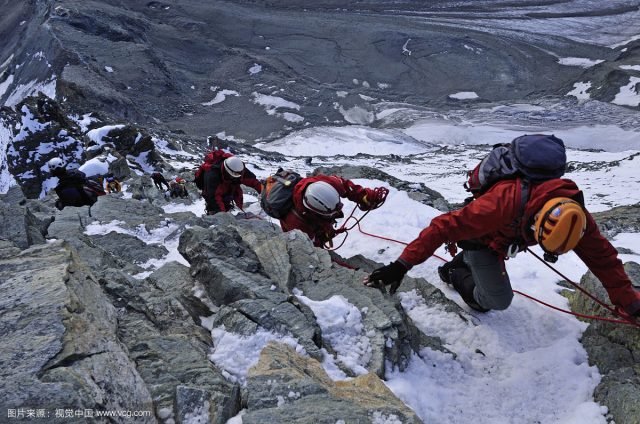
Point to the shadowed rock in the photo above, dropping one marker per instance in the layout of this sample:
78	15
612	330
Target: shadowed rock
614	349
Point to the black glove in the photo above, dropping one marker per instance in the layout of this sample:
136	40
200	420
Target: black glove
389	275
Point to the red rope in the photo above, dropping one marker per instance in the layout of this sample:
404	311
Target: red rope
593	317
595	299
390	239
624	319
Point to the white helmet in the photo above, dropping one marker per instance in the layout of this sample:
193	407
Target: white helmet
55	163
234	167
322	198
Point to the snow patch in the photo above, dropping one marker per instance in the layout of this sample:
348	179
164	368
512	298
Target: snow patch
608	137
221	96
272	103
580	90
97	166
108	69
630	67
6	138
579	61
341	325
21	92
5	85
357	115
464	95
96	135
255	69
234	354
349	141
405	50
629	95
625	42
7	62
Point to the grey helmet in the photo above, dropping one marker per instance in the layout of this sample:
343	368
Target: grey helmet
55	164
234	167
322	198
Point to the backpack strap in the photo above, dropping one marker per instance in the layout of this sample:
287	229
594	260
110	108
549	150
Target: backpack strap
519	243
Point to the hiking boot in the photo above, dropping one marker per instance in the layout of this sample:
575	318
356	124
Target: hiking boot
445	270
445	274
462	281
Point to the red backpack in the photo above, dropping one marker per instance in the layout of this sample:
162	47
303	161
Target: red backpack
213	158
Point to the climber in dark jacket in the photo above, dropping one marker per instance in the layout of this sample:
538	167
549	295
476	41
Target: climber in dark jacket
71	188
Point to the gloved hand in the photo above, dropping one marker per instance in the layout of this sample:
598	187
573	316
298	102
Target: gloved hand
373	198
59	205
389	275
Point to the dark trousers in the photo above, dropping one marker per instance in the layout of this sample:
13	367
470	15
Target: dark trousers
484	272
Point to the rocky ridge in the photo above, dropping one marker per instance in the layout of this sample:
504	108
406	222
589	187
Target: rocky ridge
108	331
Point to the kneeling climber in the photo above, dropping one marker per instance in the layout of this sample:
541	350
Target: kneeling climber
519	200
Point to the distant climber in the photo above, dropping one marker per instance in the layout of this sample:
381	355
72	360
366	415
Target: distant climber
178	188
159	180
74	188
220	177
526	204
313	204
113	185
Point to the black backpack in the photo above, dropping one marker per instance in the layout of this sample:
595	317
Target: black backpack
534	158
276	198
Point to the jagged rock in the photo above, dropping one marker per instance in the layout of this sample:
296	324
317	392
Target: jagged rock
18	223
43	131
159	322
251	267
615	349
120	168
622	219
286	387
128	248
59	337
417	191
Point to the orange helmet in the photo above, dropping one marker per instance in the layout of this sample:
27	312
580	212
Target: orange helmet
560	225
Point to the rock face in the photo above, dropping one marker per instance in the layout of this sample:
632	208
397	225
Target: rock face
615	349
623	219
102	317
285	387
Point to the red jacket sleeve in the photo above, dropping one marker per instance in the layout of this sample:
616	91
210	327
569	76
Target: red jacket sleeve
490	212
346	188
602	259
253	183
219	196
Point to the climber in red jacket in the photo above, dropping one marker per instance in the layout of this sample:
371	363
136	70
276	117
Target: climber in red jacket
220	177
316	205
498	223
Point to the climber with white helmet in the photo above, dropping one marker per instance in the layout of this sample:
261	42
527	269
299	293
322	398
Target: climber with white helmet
220	177
316	204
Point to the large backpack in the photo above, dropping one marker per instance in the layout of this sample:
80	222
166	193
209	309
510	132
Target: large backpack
93	190
534	158
213	158
276	198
